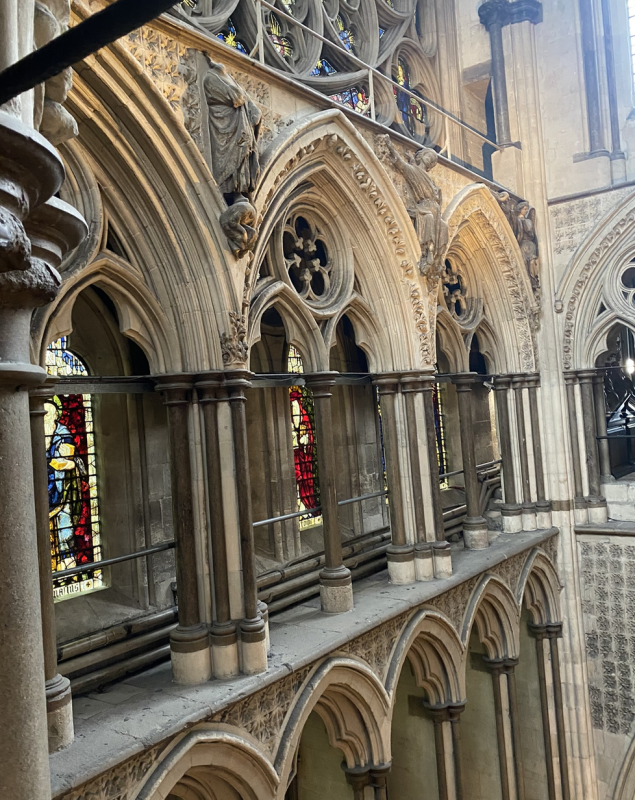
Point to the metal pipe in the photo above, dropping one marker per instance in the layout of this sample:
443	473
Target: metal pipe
93	680
107	562
479	468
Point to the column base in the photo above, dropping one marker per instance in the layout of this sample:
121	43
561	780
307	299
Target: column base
191	656
580	513
401	564
253	646
543	515
424	562
512	518
529	517
59	713
224	641
336	590
597	509
442	560
264	613
475	535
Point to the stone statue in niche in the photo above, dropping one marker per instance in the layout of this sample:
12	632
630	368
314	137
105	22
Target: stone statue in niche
522	218
234	125
432	229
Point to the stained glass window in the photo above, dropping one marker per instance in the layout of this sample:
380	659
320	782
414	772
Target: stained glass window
346	35
281	43
439	425
355	98
412	111
323	69
229	36
72	478
304	444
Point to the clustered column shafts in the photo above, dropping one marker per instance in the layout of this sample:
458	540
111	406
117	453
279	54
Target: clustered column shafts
511	511
591	76
374	775
552	631
600	416
528	508
540	634
596	503
451	713
411	385
400	553
509	668
58	689
543	505
252	628
189	642
571	380
429	384
496	668
336	589
475	526
223	637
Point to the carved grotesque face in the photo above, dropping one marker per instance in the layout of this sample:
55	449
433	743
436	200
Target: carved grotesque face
426	158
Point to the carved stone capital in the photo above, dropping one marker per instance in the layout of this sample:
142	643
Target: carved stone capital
503	12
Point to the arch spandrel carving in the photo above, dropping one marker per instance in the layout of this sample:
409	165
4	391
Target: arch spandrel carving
151	162
324	153
474	213
436	654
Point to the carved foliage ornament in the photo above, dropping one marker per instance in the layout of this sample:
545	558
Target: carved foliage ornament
233	344
522	219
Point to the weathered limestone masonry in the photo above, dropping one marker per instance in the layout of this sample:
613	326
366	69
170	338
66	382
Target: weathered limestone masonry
251	727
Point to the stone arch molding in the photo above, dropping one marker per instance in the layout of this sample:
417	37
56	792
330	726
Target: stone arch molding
478	226
141	318
355	709
539	586
495	612
215	760
593	278
159	191
323	155
432	645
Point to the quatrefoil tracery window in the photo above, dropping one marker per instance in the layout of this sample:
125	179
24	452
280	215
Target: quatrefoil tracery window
454	292
627	280
307	259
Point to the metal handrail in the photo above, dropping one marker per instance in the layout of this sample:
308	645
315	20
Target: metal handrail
372	72
317	509
107	562
479	468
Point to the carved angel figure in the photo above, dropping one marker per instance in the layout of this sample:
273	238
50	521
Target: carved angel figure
432	230
234	122
522	218
239	225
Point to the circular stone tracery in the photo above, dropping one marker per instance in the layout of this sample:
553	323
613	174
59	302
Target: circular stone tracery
307	260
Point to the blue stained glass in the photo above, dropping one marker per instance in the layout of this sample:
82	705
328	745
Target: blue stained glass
355	98
345	33
229	37
323	69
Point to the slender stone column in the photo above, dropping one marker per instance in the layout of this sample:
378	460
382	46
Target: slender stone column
437	505
606	473
511	510
554	632
591	77
497	667
59	708
596	504
528	508
579	502
514	719
430	560
379	781
336	587
253	633
189	642
543	506
223	637
494	15
455	712
475	527
30	172
358	778
401	562
440	715
540	634
614	116
411	385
